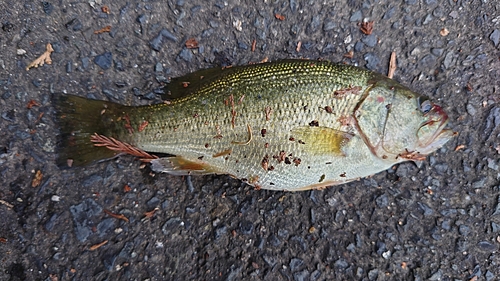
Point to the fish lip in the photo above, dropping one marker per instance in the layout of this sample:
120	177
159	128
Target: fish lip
440	136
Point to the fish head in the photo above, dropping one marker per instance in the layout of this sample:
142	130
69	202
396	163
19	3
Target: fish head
398	124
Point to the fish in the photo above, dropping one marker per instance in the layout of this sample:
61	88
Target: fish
285	125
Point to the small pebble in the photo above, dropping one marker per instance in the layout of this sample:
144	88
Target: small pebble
47	7
370	40
246	227
495	37
301	275
104	60
296	264
20	52
357	16
487	246
341	264
372	61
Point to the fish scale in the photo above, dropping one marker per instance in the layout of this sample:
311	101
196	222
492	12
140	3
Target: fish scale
268	124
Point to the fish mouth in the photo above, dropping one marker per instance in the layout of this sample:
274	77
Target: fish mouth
432	134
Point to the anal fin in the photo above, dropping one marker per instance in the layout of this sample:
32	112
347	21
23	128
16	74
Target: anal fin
180	166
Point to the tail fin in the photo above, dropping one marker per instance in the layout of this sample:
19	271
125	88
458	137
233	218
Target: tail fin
80	118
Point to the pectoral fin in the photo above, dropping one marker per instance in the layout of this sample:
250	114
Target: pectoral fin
321	140
179	166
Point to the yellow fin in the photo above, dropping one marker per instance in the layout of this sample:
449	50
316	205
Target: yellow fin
180	166
321	140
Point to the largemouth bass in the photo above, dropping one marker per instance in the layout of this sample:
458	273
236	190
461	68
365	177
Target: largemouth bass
287	125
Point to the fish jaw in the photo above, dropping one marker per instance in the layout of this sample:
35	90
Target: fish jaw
428	143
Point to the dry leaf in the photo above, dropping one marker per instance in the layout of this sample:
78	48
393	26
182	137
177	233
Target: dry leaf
44	58
191	43
37	179
367	27
105	9
104	29
279	17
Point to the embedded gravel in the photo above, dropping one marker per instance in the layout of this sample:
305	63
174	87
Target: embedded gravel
116	220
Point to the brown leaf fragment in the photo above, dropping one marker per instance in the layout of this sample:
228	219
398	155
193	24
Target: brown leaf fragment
254	44
97	246
116	216
349	90
150	214
459	147
296	161
314	123
281	156
37	179
392	65
128	126
469	87
143	125
191	43
105	9
119	146
279	17
443	32
328	109
104	29
127	188
349	54
299	45
3	240
263	132
265	162
32	103
367	27
44	58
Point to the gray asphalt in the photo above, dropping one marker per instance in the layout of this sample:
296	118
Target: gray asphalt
439	221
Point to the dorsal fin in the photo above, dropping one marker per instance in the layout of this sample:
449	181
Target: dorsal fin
188	84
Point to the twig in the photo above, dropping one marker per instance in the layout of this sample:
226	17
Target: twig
116	216
392	65
10	206
97	246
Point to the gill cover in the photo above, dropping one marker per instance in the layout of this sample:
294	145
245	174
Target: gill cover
388	118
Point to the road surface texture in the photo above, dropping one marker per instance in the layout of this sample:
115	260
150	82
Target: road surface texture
116	220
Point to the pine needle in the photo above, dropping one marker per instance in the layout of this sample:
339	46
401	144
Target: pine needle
119	146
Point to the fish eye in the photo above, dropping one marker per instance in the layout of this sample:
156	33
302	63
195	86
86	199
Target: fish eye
424	104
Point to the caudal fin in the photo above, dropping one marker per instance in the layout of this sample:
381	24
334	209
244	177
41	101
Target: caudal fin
80	118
